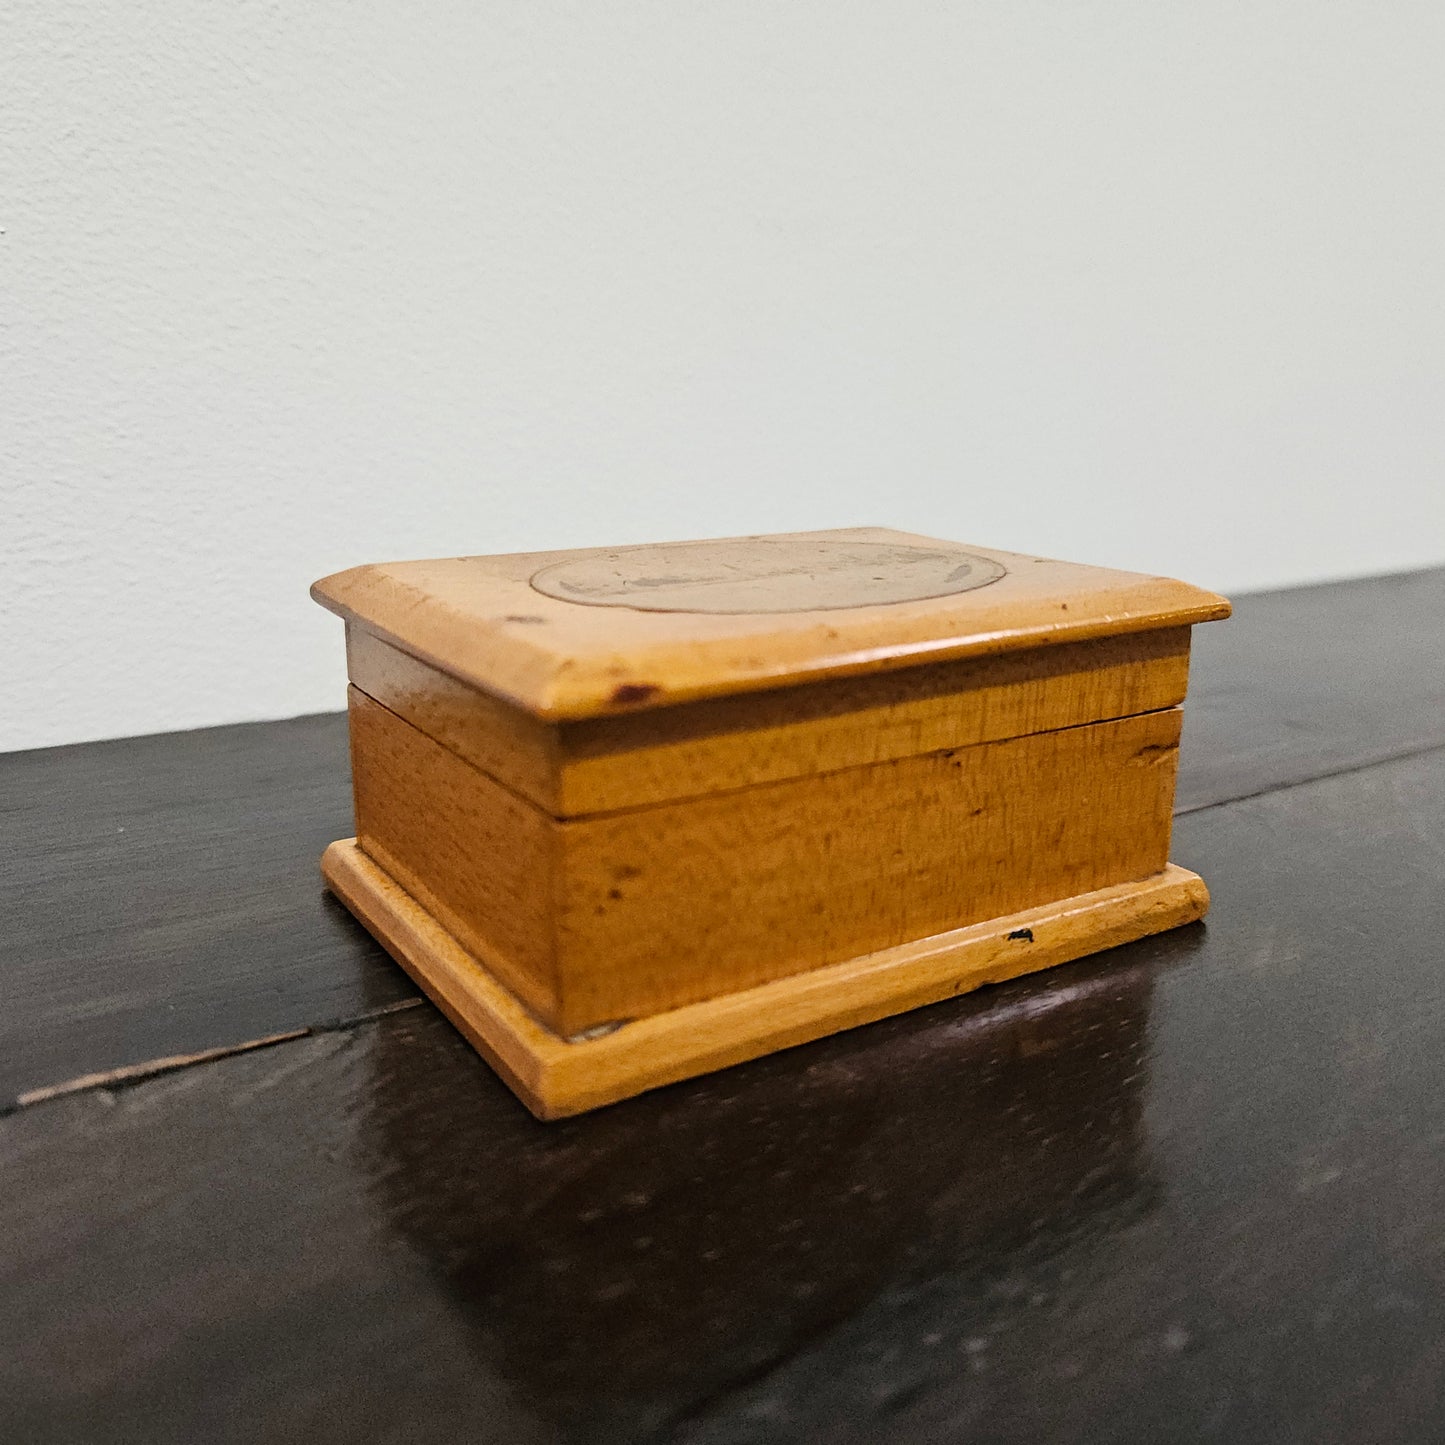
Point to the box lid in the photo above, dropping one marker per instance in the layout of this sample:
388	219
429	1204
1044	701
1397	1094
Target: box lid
605	630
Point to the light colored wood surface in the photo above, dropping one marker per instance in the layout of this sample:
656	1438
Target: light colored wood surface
554	1077
666	906
620	915
482	621
479	858
511	745
719	744
635	782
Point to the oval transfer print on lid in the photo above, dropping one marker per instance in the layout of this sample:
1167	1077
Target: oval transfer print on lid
765	575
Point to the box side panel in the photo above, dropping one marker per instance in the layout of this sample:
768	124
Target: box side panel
498	737
479	859
667	906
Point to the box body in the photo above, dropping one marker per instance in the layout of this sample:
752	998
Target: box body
651	809
637	903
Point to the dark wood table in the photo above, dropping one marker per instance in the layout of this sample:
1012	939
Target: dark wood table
254	1188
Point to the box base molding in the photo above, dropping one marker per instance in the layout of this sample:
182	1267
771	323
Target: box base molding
555	1077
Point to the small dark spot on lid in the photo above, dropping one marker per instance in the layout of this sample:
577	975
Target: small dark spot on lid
1025	934
628	692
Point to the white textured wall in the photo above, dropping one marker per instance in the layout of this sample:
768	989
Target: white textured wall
285	287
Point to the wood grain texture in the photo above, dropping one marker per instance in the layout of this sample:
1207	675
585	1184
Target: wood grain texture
720	744
498	737
1186	1190
556	1077
663	906
159	895
616	916
480	620
482	860
1312	680
158	898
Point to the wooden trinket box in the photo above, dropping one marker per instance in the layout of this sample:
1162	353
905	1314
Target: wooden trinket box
630	815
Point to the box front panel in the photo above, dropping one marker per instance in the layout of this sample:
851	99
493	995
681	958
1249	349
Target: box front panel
660	755
673	904
695	749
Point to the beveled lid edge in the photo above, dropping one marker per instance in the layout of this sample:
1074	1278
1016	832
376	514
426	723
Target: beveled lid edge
504	662
575	695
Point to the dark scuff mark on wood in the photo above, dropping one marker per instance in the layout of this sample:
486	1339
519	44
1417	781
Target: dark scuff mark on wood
631	693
